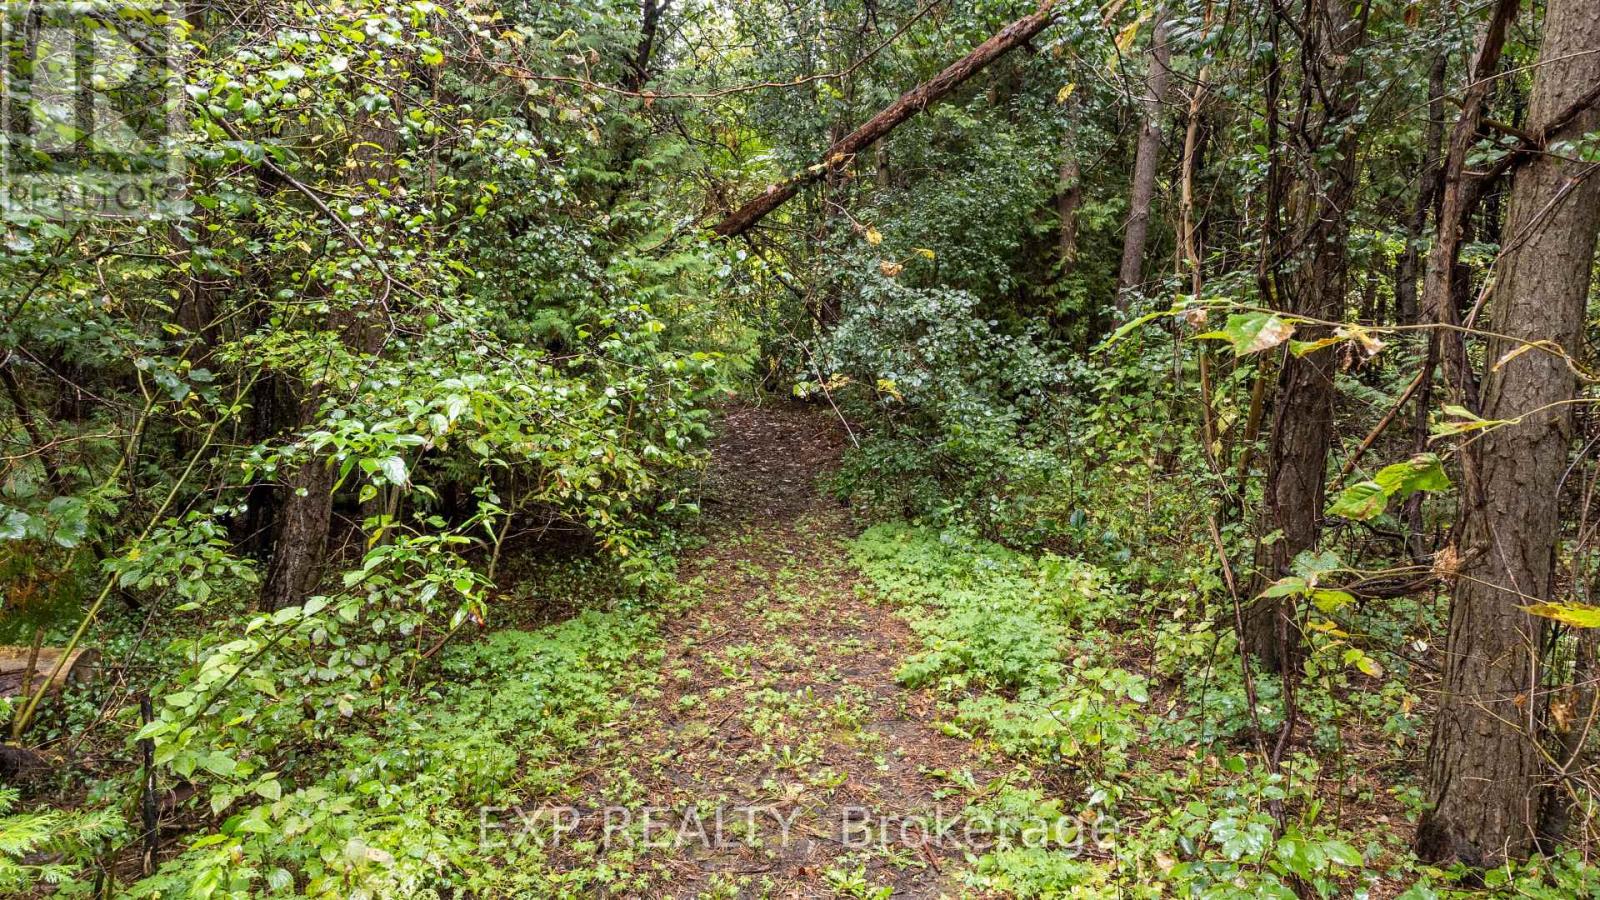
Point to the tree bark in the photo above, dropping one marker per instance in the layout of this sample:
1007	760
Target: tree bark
1146	158
1302	428
1484	767
649	22
910	103
1405	275
1188	222
1069	196
302	522
1457	201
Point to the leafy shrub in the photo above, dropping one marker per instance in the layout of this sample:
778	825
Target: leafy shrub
960	411
393	810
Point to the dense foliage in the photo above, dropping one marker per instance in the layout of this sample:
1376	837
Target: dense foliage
1214	379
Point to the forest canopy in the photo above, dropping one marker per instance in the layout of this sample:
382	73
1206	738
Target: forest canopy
438	437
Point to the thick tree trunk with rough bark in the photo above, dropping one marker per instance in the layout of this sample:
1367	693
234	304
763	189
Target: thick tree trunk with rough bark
302	521
1302	424
910	103
1485	770
1147	157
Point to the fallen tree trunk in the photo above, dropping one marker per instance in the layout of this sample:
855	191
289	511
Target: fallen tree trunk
22	668
909	104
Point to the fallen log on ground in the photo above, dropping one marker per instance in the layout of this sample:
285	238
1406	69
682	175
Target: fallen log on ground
15	678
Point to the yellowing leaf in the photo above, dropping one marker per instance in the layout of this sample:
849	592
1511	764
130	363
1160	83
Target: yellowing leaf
1369	344
874	237
1329	600
1464	420
1578	615
1066	91
1363	662
1124	39
1301	348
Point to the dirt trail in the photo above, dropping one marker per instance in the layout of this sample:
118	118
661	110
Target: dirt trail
777	701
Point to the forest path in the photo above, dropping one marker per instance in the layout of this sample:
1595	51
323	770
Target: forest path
777	705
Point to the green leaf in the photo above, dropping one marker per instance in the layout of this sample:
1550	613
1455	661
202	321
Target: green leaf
1251	332
1422	472
71	520
1367	499
1127	327
1288	586
394	469
1363	662
1311	565
14	526
1341	853
1329	601
219	763
269	789
1360	501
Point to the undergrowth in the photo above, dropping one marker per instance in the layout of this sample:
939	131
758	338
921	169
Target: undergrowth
407	808
1135	771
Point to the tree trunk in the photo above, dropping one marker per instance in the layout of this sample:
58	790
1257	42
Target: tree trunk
1146	158
304	519
1484	768
1302	427
1188	223
1405	275
301	524
630	143
39	445
910	103
649	23
1069	196
1458	198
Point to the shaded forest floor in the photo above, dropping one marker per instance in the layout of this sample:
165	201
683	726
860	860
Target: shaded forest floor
908	712
811	709
776	755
